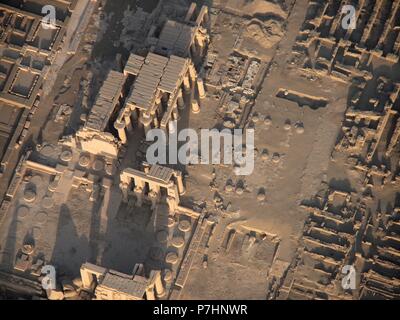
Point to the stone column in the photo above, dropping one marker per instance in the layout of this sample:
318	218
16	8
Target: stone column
200	88
134	114
146	121
154	194
154	187
192	73
175	113
155	121
200	43
190	12
179	182
139	188
150	293
124	188
195	106
163	127
87	278
158	285
186	83
128	121
159	110
193	50
172	204
180	101
120	126
139	196
172	190
171	127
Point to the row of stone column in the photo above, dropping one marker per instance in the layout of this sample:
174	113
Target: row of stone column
156	285
173	191
123	124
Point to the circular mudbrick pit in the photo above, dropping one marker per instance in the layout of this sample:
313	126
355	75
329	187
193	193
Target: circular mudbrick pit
287	126
261	194
66	156
265	155
185	226
84	161
171	258
109	169
228	188
47	151
239	190
178	242
41	217
47	202
53	186
22	212
256	152
29	195
28	248
171	222
162	236
167	275
299	128
156	253
267	121
255	117
276	158
36	180
98	165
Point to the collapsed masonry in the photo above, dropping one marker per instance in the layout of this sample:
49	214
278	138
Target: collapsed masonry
368	121
341	232
28	50
342	53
